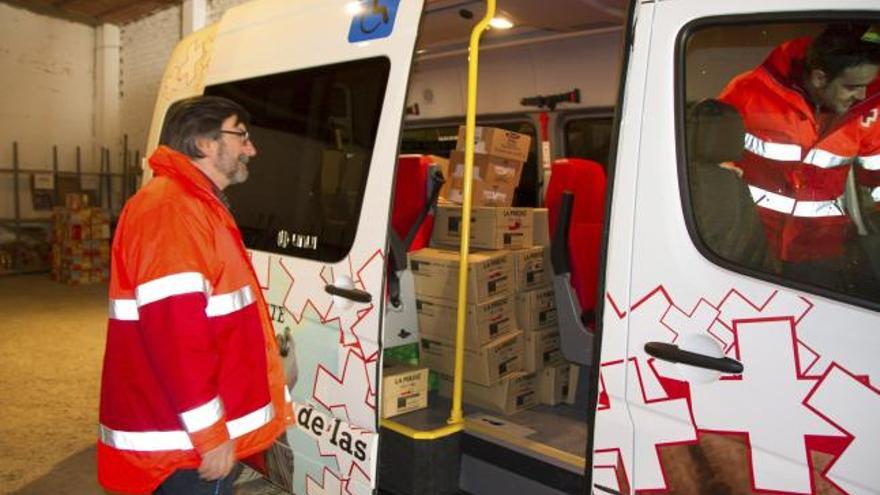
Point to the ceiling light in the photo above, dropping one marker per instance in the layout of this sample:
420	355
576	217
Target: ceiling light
501	23
354	8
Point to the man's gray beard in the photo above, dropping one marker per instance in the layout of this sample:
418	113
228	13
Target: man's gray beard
240	174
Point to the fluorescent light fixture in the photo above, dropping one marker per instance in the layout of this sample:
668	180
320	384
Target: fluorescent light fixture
501	23
354	8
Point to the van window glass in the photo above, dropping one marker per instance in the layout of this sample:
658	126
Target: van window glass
777	121
441	140
314	131
589	138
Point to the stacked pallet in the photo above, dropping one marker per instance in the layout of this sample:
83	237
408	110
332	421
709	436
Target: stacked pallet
80	242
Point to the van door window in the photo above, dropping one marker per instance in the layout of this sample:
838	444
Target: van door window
770	152
314	130
589	138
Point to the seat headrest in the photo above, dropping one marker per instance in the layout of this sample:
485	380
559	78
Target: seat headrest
715	133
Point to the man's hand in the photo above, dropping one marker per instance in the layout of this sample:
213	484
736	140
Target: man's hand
218	462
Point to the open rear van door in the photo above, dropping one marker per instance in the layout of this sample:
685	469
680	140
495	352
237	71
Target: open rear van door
325	82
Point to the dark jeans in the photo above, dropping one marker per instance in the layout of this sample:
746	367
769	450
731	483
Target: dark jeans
187	482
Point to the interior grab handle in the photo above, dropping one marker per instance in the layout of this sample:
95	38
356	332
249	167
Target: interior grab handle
671	353
356	295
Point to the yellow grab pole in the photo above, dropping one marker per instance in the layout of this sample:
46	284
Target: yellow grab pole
455	415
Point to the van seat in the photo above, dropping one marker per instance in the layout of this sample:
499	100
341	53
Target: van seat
412	191
585	179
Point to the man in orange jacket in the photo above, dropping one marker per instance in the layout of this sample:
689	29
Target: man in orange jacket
801	140
192	379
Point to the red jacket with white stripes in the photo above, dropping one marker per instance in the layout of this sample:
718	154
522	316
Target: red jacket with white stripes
868	171
795	169
191	359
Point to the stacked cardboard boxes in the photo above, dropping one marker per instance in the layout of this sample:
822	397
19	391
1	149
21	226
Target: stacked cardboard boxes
498	161
80	243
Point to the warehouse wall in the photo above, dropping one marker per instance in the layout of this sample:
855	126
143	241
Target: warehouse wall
146	46
47	95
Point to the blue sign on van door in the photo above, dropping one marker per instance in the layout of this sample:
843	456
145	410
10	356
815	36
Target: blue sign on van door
376	21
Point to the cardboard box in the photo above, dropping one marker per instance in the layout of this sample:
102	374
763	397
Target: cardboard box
404	389
542	349
482	194
491	228
554	384
488	168
498	142
536	309
540	227
485	366
531	268
435	273
515	393
485	321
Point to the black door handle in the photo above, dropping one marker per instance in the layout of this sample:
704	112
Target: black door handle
671	353
355	295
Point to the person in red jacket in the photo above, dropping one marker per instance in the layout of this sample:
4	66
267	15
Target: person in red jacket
192	379
801	140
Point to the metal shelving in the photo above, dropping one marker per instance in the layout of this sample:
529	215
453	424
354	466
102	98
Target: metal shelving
107	182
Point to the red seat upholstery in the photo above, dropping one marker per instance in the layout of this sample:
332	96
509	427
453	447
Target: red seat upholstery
410	197
586	180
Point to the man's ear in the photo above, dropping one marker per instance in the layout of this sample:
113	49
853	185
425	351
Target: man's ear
817	78
206	145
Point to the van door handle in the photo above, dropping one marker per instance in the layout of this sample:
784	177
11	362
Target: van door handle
671	353
356	295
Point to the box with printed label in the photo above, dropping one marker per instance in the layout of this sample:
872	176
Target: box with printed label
536	309
574	371
531	268
482	193
485	366
488	168
553	384
485	321
542	349
435	272
540	227
404	389
498	142
491	228
515	393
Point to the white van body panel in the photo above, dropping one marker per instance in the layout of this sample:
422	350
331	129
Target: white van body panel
810	372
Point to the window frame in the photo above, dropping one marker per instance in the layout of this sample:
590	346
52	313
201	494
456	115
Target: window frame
680	124
569	117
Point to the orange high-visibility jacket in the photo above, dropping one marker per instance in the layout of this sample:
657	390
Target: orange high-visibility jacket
868	171
191	359
795	170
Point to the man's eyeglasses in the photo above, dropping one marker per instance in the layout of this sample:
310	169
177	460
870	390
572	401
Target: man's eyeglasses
244	135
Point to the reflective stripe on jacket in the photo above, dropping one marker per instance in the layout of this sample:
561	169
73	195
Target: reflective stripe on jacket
796	171
191	359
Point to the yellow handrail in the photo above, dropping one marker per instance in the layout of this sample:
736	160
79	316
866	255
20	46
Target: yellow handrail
455	415
456	421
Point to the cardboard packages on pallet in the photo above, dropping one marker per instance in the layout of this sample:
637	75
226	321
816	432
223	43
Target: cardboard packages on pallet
81	242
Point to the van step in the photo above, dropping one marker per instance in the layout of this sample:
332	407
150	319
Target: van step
418	467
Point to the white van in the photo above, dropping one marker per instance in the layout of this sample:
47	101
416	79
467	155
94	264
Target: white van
337	94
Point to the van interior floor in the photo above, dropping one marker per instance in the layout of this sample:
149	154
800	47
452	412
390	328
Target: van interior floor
556	435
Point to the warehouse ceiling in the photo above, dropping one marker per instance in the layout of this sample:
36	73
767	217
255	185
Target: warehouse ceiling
95	12
446	21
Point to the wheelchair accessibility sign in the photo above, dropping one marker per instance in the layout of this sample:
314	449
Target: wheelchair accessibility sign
375	21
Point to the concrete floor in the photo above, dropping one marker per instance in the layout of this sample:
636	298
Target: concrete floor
51	349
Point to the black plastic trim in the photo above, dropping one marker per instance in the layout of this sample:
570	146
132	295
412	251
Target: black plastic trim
356	295
673	354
